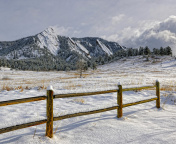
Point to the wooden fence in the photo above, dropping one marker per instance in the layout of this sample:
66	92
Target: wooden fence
49	106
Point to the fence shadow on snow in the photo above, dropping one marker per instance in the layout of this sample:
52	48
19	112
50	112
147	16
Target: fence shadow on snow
49	107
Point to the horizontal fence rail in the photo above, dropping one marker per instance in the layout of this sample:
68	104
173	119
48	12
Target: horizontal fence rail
84	113
99	92
139	102
138	88
49	106
24	100
12	128
83	94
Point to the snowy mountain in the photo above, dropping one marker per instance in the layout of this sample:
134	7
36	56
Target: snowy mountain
48	38
50	43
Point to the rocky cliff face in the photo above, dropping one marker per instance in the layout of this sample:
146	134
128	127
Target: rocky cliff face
48	42
59	52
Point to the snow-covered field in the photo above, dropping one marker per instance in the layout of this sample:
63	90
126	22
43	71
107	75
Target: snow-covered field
142	123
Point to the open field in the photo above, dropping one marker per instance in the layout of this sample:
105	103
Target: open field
128	72
142	123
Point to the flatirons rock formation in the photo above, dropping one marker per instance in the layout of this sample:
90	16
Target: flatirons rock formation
59	48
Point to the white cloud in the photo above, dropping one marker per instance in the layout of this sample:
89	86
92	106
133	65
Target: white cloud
117	19
61	30
114	37
154	34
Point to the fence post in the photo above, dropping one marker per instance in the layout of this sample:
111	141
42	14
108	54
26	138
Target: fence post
119	101
158	94
49	112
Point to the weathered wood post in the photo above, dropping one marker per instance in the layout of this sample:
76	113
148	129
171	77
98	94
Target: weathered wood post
49	111
119	101
158	94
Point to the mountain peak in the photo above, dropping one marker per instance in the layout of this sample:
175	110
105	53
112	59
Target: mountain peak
51	30
49	43
49	39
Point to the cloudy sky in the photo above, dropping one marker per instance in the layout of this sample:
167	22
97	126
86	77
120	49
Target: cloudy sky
116	20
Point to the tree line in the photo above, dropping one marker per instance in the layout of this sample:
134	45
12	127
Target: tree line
48	62
133	52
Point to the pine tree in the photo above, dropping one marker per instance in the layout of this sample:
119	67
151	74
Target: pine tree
146	51
168	51
130	52
141	51
161	51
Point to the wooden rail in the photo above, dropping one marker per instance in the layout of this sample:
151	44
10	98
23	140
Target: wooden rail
12	128
138	88
139	102
24	100
99	92
84	113
83	94
49	106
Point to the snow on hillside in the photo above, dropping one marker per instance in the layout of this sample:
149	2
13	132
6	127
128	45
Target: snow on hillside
72	41
49	39
81	47
76	46
19	54
142	123
105	49
72	46
4	69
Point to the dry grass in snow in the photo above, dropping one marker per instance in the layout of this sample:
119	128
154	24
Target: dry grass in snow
142	123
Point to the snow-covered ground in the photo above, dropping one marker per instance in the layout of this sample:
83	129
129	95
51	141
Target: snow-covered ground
142	123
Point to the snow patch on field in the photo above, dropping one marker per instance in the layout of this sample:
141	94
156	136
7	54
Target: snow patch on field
142	123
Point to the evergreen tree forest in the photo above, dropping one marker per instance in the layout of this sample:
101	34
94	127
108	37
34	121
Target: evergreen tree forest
48	62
